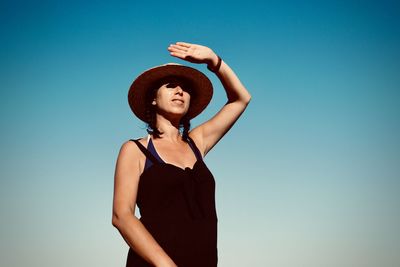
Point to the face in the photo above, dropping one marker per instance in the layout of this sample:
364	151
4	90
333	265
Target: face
172	99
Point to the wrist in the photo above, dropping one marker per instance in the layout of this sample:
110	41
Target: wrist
215	64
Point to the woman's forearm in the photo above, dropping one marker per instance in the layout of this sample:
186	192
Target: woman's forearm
234	88
141	241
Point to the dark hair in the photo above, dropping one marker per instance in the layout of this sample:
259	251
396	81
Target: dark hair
184	124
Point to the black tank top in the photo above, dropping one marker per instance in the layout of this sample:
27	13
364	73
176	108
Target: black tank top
177	206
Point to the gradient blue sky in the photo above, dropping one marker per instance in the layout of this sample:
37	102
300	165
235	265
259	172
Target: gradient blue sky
309	176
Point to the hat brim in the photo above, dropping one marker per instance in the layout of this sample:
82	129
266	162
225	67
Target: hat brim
201	86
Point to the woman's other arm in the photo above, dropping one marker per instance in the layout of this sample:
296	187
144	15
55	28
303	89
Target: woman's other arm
126	180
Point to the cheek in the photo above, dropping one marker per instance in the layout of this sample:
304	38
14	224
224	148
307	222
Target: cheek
187	96
189	99
163	94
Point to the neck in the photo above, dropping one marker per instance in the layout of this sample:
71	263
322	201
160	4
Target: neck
169	129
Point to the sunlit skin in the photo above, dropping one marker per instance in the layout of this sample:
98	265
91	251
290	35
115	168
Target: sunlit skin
171	148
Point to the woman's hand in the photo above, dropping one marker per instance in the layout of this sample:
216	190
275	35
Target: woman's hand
193	53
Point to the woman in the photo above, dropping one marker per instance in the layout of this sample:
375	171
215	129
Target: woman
164	173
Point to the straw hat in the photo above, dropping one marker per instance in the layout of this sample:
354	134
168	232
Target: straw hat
200	86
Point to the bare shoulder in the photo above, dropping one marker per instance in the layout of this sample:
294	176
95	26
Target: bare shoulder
130	154
131	148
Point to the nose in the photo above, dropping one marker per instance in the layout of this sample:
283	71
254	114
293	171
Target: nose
179	90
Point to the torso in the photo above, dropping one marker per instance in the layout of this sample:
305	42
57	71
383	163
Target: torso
177	205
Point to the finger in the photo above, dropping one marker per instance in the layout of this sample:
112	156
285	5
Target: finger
177	48
187	45
178	54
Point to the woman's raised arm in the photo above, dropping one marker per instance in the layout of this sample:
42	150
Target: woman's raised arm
207	134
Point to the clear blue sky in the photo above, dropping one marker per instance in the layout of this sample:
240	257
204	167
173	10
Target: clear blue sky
309	176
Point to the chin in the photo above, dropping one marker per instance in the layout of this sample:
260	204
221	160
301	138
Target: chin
179	111
178	115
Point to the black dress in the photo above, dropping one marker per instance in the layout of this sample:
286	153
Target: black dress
177	206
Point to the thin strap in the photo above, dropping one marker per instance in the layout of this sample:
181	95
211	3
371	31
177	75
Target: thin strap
194	148
148	139
151	148
145	151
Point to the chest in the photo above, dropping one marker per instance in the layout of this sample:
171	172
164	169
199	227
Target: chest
180	155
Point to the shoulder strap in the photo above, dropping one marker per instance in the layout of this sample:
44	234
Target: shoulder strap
194	148
145	151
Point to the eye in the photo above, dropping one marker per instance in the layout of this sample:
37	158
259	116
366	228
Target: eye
185	87
172	85
188	90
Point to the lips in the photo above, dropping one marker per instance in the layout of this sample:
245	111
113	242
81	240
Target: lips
177	100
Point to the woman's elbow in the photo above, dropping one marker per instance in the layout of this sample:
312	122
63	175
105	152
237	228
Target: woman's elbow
245	99
119	219
248	98
115	221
